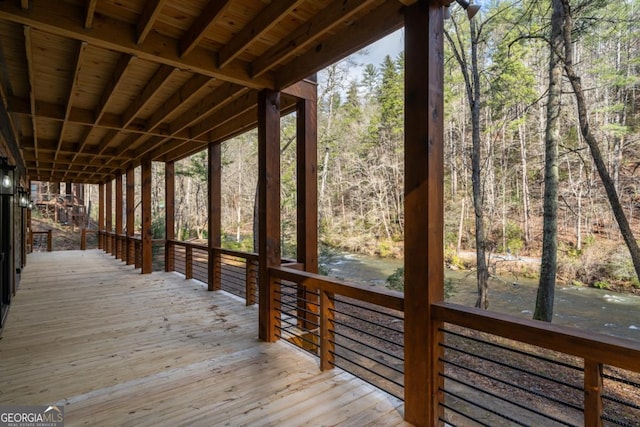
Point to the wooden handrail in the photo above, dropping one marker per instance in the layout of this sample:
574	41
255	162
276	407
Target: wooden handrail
49	235
374	295
605	349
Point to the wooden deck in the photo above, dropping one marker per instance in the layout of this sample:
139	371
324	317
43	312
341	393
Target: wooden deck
120	348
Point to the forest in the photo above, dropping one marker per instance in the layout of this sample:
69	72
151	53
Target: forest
498	78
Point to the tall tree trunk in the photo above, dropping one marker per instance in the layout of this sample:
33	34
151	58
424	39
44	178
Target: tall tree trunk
607	181
548	263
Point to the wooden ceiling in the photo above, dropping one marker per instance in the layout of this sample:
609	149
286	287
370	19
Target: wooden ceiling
91	87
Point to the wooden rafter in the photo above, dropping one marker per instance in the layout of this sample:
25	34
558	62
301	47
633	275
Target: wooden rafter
89	13
65	20
124	63
326	20
159	78
82	47
262	23
32	96
381	22
212	11
149	15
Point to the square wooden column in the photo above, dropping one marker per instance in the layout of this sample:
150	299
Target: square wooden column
215	215
268	208
147	232
170	214
118	241
101	237
108	195
131	216
307	209
424	223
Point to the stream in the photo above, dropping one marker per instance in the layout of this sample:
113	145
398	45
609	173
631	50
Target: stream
591	309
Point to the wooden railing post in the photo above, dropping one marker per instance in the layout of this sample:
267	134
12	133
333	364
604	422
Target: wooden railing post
83	239
327	336
188	262
593	408
31	240
251	282
49	241
169	256
216	271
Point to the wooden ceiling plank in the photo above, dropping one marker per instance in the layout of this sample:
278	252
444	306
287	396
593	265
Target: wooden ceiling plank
89	13
151	88
212	11
82	47
149	15
66	20
371	27
326	20
28	42
270	16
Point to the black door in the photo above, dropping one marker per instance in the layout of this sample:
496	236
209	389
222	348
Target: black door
5	257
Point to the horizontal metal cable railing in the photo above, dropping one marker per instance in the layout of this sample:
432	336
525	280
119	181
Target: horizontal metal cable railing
359	329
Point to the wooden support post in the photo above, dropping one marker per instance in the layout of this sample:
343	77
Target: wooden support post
108	194
131	216
424	218
147	232
268	208
49	241
593	408
83	239
327	336
170	215
118	249
67	189
101	241
307	210
215	215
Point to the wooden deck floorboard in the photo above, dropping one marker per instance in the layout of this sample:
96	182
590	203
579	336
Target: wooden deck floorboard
119	348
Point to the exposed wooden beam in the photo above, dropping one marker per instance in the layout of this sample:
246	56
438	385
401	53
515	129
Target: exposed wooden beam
89	13
151	88
24	4
124	63
377	24
66	20
270	16
148	17
32	96
78	116
324	21
82	47
186	92
212	11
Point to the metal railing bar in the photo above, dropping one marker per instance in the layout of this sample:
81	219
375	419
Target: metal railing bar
515	368
364	345
616	421
620	401
383	363
342	301
367	369
455	410
484	408
367	321
503	399
513	350
338	323
514	385
621	380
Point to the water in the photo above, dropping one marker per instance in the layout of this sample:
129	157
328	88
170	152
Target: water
591	309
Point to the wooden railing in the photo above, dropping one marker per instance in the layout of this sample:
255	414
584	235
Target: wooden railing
234	271
85	234
355	327
41	239
535	373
